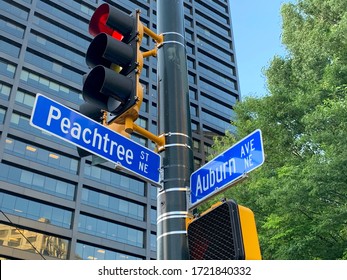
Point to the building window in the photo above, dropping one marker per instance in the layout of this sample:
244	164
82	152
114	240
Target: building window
65	17
216	91
54	67
50	86
25	99
7	69
41	155
37	182
153	242
11	28
197	163
196	145
216	122
111	231
2	115
209	53
4	91
188	22
88	252
35	211
142	122
217	77
153	216
46	245
14	9
79	6
218	106
22	123
220	17
62	32
219	28
208	150
9	48
50	45
114	179
113	204
195	127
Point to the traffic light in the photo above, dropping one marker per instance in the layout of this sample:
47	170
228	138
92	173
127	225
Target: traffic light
225	232
113	83
114	55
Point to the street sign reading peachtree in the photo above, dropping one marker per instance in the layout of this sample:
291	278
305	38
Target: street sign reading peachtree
227	168
73	127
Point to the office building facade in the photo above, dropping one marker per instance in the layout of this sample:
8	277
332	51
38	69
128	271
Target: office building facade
55	205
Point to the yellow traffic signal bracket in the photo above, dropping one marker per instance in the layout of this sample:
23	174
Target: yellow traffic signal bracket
125	123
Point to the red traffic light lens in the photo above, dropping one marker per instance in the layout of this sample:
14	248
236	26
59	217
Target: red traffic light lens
98	22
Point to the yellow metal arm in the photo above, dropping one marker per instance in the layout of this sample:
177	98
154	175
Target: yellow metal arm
130	126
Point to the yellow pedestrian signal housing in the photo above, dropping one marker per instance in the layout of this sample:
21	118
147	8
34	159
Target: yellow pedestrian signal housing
227	232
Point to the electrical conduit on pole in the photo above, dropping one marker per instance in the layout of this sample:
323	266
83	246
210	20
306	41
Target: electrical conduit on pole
174	123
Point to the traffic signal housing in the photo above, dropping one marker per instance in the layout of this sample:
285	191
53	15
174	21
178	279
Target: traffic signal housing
114	55
224	232
113	83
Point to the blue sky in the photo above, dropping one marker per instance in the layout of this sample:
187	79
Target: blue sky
257	26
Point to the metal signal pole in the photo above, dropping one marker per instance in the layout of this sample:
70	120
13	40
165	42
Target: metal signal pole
174	122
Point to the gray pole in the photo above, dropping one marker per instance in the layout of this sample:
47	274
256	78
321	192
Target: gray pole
174	122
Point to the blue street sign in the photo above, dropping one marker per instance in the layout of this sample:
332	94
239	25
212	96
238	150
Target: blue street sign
227	168
81	131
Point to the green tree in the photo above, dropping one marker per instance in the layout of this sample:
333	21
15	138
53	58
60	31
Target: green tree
299	195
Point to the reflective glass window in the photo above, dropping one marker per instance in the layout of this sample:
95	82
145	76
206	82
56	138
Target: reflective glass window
41	155
56	48
111	231
217	107
207	50
64	33
113	204
217	91
206	31
153	242
64	16
88	252
45	244
221	17
7	69
79	6
34	210
4	91
218	77
22	123
217	122
53	67
11	27
9	48
38	182
114	179
218	28
14	9
51	86
25	99
2	115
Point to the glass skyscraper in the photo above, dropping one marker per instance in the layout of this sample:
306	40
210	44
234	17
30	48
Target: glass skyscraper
55	205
